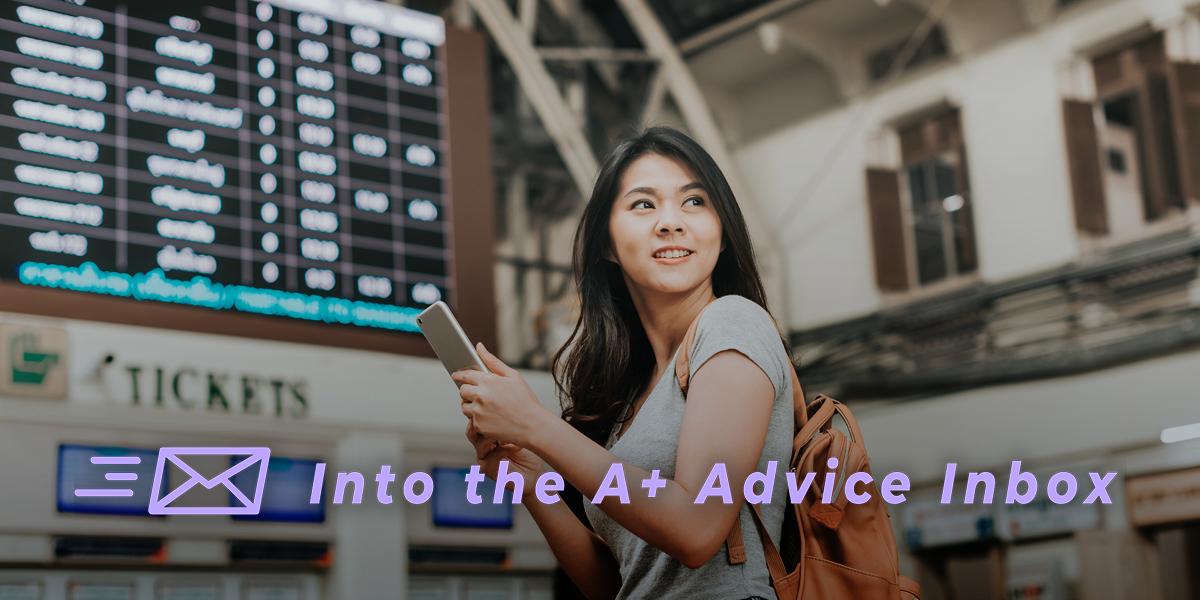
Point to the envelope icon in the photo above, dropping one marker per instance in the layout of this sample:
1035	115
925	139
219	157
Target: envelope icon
250	506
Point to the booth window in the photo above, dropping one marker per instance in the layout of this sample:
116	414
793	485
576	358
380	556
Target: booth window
1134	153
921	215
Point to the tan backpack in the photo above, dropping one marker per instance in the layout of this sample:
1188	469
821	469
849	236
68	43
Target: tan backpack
827	551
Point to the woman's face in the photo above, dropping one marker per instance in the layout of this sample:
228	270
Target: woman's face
665	234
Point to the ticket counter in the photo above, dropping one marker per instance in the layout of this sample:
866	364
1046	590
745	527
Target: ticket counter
323	414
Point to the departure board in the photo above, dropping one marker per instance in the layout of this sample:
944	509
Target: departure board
282	158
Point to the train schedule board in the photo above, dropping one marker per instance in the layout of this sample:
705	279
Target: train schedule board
286	160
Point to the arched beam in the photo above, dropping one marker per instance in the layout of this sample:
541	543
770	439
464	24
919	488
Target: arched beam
557	117
691	102
845	65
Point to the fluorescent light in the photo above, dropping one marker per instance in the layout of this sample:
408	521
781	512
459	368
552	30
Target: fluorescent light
1181	433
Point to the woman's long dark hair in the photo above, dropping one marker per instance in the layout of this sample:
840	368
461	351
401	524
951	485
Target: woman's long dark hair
608	358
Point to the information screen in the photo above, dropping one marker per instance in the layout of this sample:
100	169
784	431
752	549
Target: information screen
286	494
281	157
106	480
451	508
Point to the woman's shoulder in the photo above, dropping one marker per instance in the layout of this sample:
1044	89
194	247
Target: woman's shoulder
736	313
738	323
729	319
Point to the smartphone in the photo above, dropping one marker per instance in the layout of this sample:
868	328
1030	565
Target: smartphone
453	348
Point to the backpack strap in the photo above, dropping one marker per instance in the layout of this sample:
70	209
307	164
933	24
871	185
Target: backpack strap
682	359
734	544
775	564
823	408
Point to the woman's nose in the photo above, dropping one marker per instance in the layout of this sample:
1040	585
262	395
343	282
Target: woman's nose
669	220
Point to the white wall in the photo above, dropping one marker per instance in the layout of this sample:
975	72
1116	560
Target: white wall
1010	99
1051	420
347	388
827	245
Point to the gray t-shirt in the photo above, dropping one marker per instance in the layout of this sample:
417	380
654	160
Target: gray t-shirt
729	323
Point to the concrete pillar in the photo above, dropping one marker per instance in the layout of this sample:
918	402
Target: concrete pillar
370	555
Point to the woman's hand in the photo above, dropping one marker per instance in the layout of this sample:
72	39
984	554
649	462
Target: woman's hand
585	557
489	453
500	405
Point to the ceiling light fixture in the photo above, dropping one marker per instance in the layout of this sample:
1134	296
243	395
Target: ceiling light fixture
1181	433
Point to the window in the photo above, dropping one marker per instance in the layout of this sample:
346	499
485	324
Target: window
921	216
1133	152
938	203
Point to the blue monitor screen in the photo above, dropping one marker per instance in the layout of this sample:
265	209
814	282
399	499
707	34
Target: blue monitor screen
451	508
105	480
285	494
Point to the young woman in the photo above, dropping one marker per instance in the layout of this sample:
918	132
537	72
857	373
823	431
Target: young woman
660	239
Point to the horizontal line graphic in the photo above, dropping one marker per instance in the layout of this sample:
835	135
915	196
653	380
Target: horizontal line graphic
121	476
103	493
116	460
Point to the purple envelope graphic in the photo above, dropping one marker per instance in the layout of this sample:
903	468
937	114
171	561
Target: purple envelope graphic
159	506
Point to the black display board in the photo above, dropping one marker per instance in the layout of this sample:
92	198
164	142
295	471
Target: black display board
283	158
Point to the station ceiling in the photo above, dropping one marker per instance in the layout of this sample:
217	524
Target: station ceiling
685	18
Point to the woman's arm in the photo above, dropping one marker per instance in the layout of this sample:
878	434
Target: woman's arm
728	409
586	558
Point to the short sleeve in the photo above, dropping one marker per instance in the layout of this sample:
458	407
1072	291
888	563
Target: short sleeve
736	323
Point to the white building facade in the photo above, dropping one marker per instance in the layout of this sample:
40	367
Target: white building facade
991	254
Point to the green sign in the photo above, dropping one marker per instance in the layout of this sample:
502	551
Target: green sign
33	361
30	364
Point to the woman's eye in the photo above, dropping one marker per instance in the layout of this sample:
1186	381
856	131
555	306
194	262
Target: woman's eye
696	199
642	204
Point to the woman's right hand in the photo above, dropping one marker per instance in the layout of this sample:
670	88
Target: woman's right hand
489	453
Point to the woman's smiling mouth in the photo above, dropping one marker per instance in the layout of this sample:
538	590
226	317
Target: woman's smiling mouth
672	255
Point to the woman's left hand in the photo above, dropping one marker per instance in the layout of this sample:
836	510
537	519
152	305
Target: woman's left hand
500	404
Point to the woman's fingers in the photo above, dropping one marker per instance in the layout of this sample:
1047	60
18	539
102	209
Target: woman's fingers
468	376
493	364
484	446
482	443
469	393
499	402
498	453
477	438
